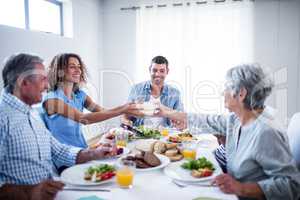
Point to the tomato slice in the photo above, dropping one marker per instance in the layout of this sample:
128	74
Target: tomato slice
206	172
107	175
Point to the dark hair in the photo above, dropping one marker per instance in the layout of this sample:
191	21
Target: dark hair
56	70
159	60
17	65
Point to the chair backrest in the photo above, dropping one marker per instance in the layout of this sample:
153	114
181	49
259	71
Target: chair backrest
294	137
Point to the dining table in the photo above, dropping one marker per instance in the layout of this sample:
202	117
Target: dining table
151	184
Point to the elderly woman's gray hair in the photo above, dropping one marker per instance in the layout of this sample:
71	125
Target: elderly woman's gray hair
17	65
253	78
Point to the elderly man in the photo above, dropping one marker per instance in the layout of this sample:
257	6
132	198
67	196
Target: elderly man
155	91
27	149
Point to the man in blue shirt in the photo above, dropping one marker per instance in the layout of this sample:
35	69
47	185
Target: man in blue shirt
27	148
155	91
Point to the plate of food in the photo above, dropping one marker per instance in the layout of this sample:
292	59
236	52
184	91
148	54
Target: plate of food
181	137
146	161
89	174
197	170
147	133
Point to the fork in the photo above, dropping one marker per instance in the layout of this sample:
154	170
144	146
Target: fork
183	185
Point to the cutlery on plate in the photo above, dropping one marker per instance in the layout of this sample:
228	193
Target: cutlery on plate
85	189
182	185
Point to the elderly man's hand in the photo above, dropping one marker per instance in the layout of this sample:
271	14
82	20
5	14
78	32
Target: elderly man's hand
46	190
228	184
105	150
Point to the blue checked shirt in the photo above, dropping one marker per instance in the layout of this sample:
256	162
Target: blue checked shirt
169	97
27	148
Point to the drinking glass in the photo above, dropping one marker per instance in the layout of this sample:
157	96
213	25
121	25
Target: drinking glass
125	174
164	132
189	149
122	138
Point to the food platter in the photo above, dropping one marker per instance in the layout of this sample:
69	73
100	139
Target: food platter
75	175
175	171
163	159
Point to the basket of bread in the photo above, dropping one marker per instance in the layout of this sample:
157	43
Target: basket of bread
170	150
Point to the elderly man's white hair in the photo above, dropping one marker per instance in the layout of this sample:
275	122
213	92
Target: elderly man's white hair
18	65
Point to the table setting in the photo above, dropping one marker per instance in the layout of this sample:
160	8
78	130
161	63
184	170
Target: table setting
144	170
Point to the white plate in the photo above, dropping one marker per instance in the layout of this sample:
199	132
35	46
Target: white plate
75	175
163	159
175	171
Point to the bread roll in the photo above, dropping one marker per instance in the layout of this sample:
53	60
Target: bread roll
159	147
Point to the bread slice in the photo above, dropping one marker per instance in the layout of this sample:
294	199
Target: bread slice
151	159
141	164
171	145
176	157
171	152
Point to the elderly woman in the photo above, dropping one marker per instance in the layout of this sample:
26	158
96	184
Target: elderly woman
259	161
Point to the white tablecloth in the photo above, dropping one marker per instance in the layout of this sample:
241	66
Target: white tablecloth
152	185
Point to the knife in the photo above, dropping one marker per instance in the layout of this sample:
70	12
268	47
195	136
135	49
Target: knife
181	184
132	129
85	189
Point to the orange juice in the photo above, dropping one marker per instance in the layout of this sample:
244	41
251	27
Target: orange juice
121	143
189	154
125	177
165	132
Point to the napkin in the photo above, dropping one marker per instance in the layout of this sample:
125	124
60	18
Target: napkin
94	197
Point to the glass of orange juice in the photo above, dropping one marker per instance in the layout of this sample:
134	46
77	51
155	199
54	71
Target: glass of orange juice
122	138
189	149
125	174
164	132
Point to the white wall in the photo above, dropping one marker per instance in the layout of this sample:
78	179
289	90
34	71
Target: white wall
276	36
87	39
277	43
119	32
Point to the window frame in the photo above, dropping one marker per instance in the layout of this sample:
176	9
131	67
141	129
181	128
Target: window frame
56	2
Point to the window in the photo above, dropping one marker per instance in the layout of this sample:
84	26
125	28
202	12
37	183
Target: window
41	15
12	13
201	43
45	16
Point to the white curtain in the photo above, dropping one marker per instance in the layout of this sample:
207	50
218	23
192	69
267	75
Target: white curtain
201	43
